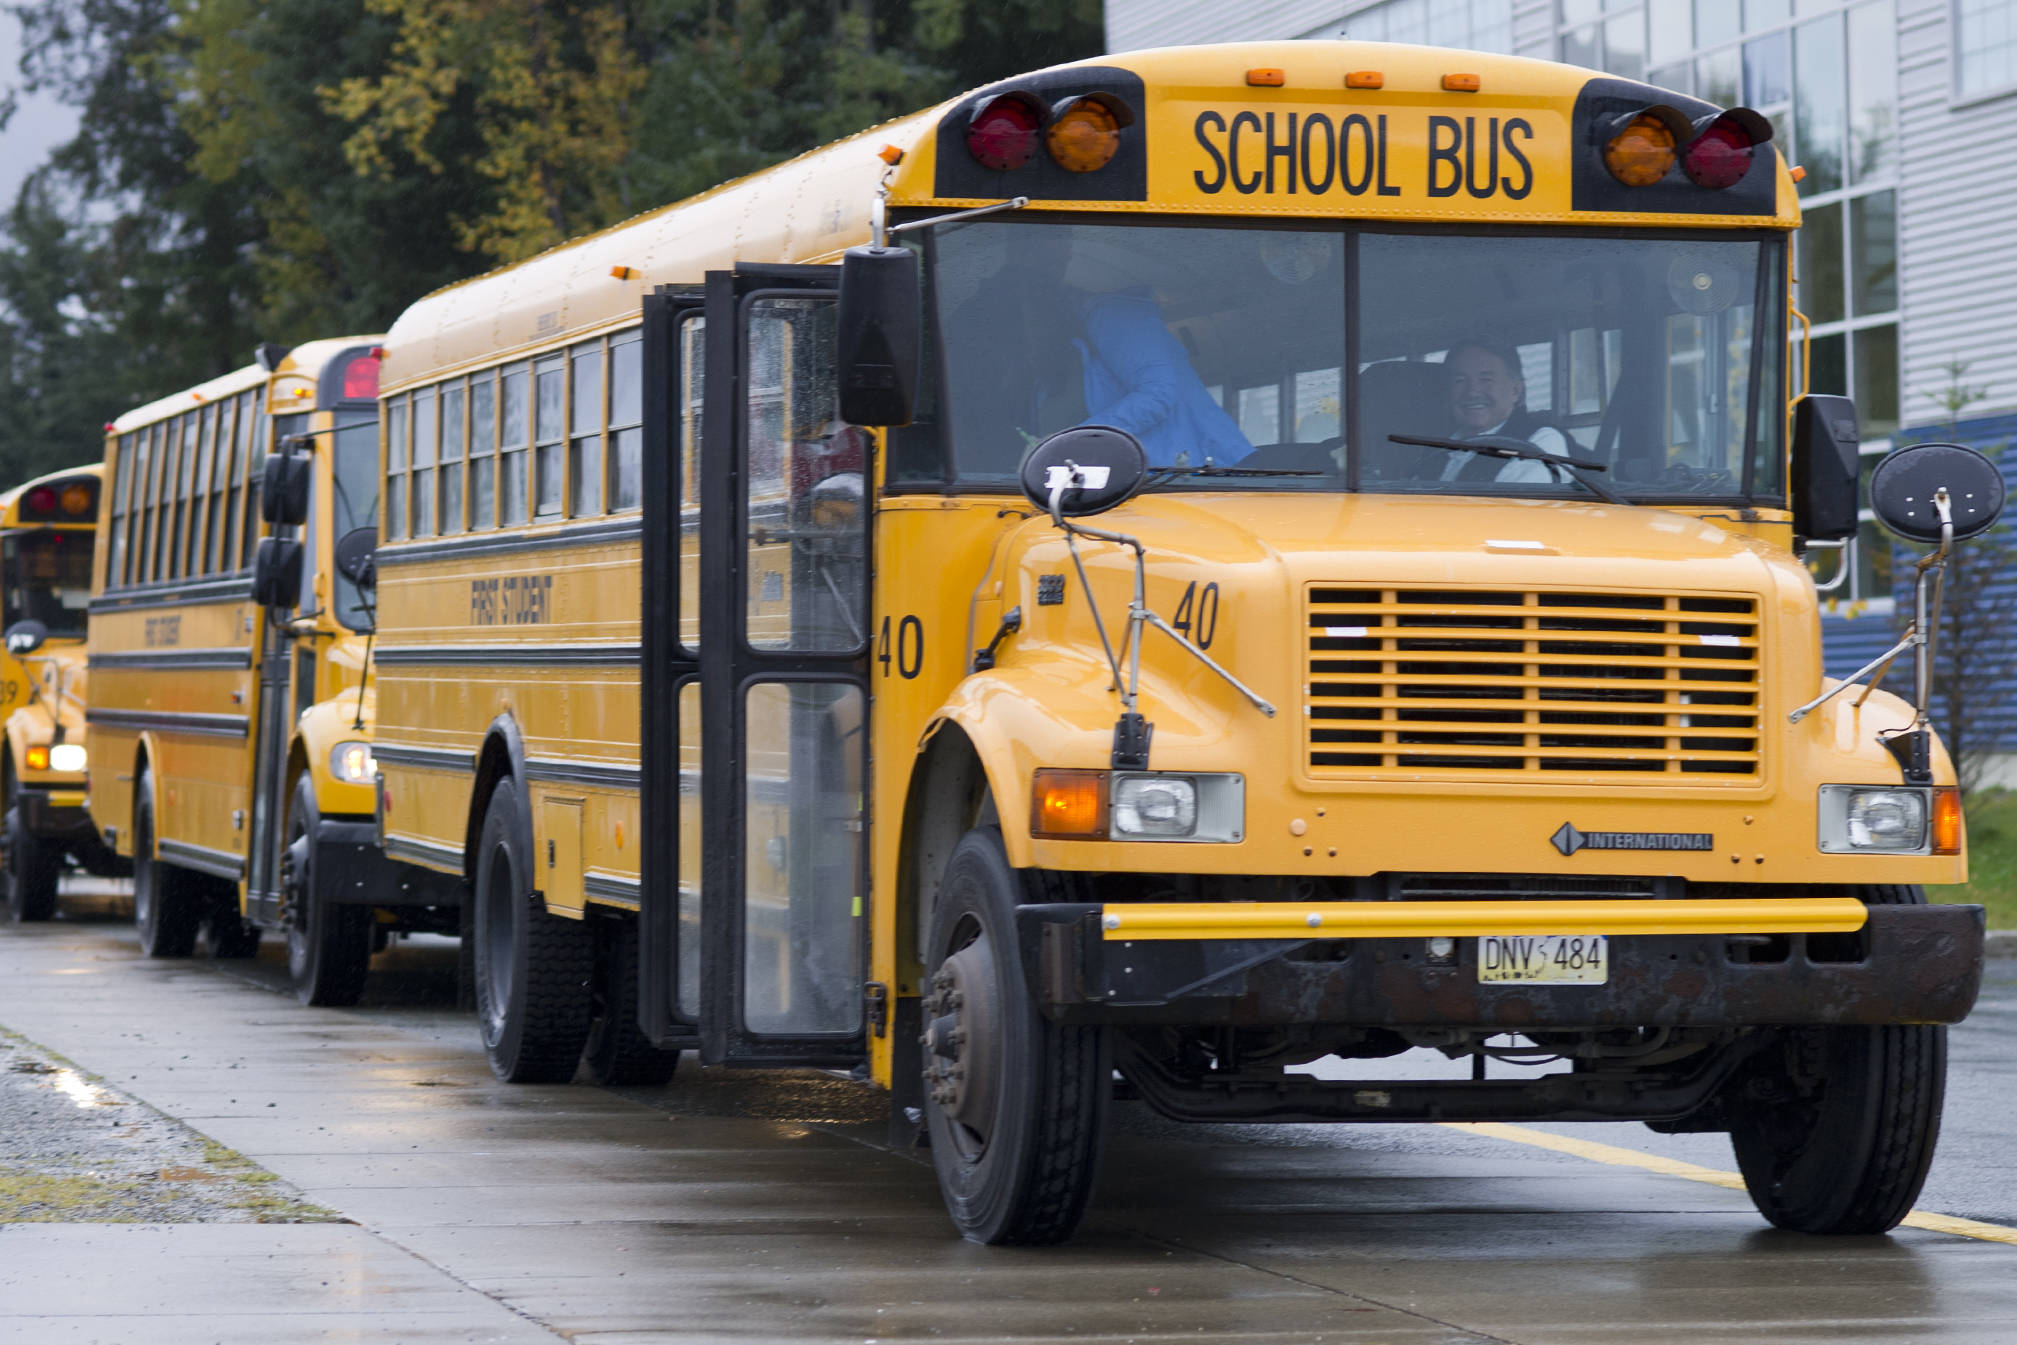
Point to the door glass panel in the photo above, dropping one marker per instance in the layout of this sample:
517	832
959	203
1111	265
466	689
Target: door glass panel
806	521
688	938
686	472
802	900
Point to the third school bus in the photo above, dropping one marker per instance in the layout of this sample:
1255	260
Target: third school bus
1440	672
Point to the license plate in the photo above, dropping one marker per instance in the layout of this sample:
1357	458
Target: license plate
1544	959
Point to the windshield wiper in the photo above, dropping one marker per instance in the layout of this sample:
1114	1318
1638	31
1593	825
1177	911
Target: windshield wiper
1498	446
1158	475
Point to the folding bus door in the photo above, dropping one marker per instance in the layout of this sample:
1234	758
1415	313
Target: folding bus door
783	688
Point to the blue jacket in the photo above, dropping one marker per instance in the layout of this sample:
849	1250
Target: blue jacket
1138	378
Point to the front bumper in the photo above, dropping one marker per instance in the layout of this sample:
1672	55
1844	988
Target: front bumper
1899	964
54	812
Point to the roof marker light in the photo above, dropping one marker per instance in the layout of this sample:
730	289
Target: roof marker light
623	272
1003	133
1461	83
890	155
1365	79
1266	77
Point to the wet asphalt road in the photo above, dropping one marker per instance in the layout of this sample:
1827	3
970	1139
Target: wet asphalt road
761	1207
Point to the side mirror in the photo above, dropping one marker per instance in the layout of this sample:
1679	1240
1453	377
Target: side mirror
356	556
1825	466
880	332
276	572
1085	470
1903	487
283	489
25	637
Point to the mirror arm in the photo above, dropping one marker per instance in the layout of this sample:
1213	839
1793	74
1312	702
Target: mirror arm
1013	203
1843	566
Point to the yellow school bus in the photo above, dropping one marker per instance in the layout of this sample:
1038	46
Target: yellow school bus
230	718
1439	672
46	528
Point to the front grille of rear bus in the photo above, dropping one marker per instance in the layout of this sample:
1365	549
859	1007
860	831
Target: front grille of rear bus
1479	683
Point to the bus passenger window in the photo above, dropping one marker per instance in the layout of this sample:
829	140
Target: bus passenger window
452	432
483	452
398	449
548	419
513	438
220	488
584	448
122	480
426	443
251	444
626	417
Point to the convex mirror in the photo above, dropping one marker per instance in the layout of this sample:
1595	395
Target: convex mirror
1903	486
25	637
356	556
1098	466
878	333
276	572
283	489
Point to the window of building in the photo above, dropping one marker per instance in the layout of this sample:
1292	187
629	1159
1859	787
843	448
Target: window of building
1481	25
1985	47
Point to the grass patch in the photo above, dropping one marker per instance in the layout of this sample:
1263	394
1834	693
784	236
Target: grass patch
1992	858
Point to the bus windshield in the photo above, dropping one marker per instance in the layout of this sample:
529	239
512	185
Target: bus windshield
47	576
356	504
1640	357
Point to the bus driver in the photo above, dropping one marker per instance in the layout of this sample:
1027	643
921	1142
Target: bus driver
1488	397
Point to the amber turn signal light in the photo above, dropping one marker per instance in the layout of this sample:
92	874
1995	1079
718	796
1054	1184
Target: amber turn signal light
1084	137
1947	828
1069	804
38	758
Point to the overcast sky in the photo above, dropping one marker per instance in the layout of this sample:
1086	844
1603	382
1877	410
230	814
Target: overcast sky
38	125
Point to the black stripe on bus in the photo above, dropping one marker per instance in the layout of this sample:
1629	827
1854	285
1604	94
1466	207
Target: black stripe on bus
176	593
201	858
510	655
427	854
508	543
611	887
583	773
173	658
426	758
165	721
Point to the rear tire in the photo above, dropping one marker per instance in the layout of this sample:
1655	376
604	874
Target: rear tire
618	1053
1015	1103
1844	1145
167	902
32	867
328	946
533	999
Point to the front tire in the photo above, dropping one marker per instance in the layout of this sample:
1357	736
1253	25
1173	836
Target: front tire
533	1001
328	946
1015	1103
167	905
31	868
1844	1145
618	1053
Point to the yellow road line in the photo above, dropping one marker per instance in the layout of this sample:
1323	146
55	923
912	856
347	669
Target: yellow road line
1695	1172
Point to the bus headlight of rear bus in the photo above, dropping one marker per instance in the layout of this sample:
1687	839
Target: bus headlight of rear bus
1893	820
1084	805
351	763
68	758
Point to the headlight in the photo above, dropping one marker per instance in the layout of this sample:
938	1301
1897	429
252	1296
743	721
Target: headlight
1862	819
352	763
1155	805
67	757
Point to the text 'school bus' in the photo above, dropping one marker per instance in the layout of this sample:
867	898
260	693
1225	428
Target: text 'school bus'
46	529
230	724
1438	676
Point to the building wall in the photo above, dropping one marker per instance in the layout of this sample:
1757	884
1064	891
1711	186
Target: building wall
1956	231
1174	23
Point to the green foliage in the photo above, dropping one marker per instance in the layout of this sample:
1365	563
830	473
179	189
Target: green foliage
276	170
1992	858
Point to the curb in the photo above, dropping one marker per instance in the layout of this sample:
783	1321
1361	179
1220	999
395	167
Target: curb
2000	943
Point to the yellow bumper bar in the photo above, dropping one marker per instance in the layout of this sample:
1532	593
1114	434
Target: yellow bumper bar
1427	919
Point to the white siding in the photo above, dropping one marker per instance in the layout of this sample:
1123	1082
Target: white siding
1956	237
1534	28
1133	24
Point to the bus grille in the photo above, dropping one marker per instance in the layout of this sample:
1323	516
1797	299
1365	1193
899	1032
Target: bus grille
1473	684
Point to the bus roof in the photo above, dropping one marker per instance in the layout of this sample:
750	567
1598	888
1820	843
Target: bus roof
1528	133
60	516
301	367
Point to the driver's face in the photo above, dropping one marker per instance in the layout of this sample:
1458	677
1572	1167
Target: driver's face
1483	391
